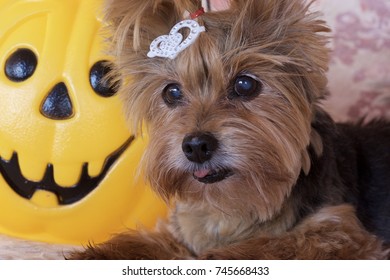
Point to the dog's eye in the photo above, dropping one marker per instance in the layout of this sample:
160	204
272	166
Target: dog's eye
21	65
172	95
102	85
245	87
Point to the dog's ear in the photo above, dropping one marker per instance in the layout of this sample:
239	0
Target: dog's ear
293	35
135	24
256	11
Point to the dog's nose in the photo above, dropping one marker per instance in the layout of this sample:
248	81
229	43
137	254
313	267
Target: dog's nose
199	147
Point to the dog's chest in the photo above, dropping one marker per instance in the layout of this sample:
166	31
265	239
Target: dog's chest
202	228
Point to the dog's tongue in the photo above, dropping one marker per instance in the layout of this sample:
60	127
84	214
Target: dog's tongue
202	173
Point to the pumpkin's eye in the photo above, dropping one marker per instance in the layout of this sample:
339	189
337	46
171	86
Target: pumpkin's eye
172	95
21	65
245	87
102	85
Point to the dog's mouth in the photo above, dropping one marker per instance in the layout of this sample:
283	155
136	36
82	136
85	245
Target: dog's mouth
210	176
11	172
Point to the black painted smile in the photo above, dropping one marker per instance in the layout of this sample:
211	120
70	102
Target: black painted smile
66	195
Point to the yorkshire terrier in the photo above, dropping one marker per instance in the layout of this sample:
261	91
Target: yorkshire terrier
239	146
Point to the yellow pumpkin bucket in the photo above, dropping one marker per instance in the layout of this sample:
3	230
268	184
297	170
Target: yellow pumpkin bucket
68	162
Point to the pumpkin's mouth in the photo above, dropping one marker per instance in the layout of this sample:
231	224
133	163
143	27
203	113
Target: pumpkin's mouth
11	171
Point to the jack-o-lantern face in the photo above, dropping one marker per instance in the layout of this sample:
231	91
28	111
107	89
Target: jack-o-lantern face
67	159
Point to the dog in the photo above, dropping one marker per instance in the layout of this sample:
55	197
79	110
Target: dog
240	148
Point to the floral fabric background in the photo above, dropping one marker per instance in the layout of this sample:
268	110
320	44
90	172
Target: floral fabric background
359	72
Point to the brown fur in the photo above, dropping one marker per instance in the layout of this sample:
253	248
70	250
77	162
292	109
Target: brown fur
270	143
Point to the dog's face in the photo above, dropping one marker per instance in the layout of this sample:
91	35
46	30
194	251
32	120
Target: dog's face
229	119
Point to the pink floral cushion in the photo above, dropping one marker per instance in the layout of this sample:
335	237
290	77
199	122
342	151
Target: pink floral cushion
359	73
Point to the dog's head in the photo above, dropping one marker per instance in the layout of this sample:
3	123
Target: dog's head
229	119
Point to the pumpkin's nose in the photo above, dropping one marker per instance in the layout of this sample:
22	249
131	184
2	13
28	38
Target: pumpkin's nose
57	104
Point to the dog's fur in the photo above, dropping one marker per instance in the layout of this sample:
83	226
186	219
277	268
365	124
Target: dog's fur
301	186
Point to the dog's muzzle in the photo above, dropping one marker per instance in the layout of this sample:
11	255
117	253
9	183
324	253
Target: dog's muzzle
200	148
